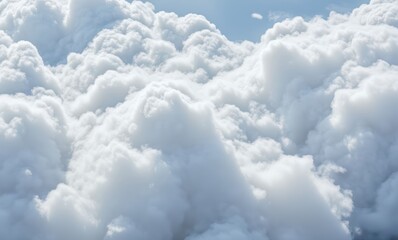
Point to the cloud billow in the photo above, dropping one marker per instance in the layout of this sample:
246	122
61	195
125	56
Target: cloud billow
119	122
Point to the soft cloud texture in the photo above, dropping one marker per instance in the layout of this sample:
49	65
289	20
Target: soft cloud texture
257	16
119	122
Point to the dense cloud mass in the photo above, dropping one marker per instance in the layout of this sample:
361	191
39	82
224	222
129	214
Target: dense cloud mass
119	122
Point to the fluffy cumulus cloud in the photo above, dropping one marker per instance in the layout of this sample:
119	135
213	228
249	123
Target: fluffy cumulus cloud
119	122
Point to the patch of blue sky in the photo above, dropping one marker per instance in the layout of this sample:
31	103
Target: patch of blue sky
248	20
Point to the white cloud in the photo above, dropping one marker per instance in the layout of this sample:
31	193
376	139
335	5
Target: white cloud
257	16
275	16
117	122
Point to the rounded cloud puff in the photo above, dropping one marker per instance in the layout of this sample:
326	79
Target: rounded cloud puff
119	122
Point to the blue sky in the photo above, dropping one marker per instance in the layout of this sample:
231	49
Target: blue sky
234	19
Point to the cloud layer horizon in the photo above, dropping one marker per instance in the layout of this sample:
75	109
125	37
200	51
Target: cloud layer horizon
119	122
